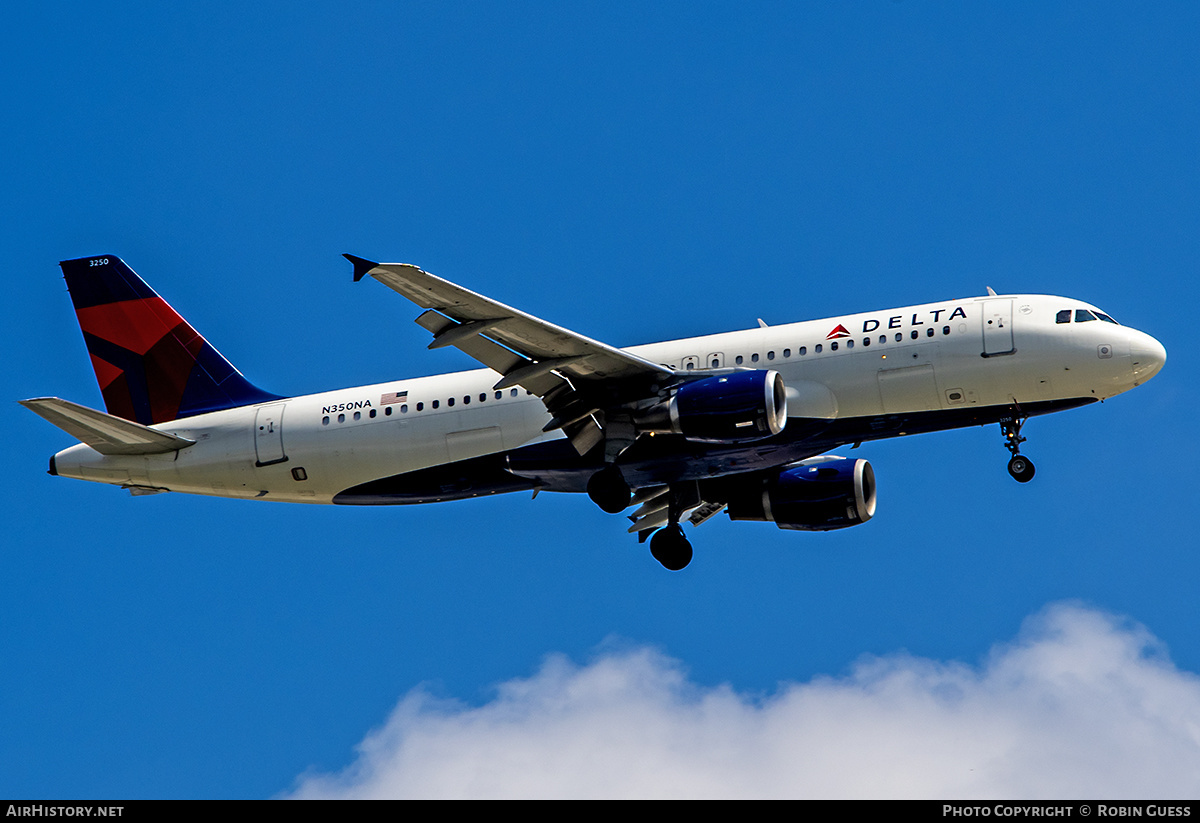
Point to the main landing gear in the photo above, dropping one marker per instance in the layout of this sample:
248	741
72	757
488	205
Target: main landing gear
663	508
1020	466
671	548
609	491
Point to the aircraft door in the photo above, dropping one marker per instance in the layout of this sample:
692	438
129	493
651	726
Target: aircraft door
715	360
997	328
268	435
690	362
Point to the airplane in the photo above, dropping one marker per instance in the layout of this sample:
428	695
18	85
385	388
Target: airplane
741	422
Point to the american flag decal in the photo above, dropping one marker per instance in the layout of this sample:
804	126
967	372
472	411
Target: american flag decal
393	397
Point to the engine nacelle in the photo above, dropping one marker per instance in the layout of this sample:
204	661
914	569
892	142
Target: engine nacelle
819	494
731	408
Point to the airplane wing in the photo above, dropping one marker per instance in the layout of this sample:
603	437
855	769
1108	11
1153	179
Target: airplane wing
574	375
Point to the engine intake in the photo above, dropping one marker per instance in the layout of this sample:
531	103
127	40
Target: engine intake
819	494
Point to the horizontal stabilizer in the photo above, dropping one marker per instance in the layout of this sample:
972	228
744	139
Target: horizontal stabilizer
105	433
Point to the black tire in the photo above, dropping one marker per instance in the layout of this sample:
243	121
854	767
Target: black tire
1021	468
609	491
671	548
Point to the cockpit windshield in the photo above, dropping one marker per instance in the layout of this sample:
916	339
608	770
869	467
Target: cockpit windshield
1083	316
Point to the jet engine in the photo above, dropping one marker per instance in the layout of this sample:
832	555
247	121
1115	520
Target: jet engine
731	408
818	494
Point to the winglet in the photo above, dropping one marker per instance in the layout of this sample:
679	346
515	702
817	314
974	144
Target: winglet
361	266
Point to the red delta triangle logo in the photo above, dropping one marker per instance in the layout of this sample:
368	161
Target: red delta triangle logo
839	331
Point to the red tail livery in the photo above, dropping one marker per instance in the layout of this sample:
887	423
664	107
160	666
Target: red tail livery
151	365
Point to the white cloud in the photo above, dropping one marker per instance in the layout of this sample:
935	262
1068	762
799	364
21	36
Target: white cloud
1081	705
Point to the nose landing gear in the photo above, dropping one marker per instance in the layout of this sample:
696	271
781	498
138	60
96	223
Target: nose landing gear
1020	467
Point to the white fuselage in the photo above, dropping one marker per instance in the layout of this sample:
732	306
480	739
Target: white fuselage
985	351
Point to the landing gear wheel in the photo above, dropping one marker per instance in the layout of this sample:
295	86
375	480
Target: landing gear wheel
1021	468
609	491
671	548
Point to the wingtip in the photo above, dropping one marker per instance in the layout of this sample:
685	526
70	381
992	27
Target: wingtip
361	266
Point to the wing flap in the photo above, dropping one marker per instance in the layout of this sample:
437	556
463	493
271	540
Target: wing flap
491	354
105	433
488	352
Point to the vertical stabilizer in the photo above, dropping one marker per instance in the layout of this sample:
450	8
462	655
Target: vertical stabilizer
151	365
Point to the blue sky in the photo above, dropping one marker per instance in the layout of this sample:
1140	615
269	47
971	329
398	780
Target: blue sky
635	174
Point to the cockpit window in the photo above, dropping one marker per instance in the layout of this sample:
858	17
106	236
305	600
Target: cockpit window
1063	316
1083	315
1106	318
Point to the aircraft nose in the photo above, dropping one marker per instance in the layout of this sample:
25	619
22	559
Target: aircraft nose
1147	357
